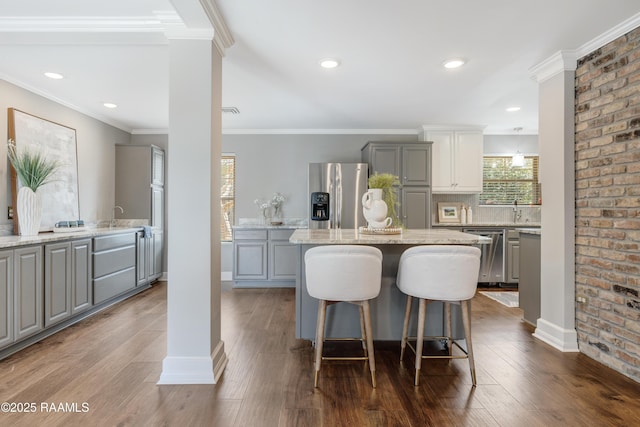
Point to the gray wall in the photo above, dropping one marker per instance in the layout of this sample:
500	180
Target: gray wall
95	148
278	163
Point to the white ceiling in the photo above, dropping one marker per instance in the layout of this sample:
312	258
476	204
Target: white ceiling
391	53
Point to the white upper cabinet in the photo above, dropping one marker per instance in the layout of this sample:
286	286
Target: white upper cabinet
457	159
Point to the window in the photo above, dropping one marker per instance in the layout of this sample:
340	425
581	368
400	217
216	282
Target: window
503	184
227	196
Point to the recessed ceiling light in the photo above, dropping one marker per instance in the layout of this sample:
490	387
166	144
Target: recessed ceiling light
513	109
54	76
329	63
109	105
453	63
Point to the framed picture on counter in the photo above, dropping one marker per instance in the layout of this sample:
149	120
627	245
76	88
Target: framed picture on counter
448	212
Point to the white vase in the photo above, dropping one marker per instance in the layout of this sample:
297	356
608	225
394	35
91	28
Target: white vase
29	206
374	209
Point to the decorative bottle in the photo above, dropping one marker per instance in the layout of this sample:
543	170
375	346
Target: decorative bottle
469	215
463	215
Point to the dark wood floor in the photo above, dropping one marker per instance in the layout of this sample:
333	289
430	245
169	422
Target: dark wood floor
113	361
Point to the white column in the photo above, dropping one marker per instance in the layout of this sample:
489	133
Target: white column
556	325
195	352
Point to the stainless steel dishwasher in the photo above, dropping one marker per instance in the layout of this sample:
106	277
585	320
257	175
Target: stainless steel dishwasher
492	258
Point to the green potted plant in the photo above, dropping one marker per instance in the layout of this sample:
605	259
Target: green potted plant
33	170
388	183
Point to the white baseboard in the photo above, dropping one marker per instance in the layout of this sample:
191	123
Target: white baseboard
194	370
565	340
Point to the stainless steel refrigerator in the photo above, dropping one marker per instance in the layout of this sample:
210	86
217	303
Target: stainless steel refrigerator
335	194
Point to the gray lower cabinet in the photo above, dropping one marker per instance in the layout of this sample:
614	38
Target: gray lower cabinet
157	243
81	285
142	265
6	298
148	257
264	258
529	287
28	295
57	282
48	286
513	256
114	265
67	280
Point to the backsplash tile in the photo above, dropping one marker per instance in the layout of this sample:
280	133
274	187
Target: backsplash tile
487	214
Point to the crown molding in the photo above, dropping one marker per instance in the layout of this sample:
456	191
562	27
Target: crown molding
150	132
426	128
319	132
564	60
567	60
81	24
610	35
223	39
64	103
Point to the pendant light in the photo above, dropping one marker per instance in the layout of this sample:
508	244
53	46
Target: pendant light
517	161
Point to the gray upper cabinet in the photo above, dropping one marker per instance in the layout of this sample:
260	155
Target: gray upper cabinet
28	293
157	167
6	298
383	158
411	163
140	182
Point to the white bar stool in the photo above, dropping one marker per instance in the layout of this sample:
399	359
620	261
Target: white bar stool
344	273
439	273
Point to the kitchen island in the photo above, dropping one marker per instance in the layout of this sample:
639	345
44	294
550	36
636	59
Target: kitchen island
387	311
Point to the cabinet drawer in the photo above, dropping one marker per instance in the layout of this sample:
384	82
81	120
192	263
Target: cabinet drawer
102	243
250	235
107	262
280	234
113	284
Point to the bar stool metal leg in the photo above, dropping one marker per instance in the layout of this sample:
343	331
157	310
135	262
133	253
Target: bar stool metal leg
405	327
322	314
422	312
369	333
465	307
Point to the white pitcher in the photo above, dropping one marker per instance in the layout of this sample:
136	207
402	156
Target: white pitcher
375	209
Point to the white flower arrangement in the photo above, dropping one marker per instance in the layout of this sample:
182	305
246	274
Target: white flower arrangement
263	207
277	200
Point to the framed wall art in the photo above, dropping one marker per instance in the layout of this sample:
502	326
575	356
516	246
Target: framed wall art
448	212
56	142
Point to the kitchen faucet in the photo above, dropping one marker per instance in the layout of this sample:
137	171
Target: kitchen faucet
516	214
113	215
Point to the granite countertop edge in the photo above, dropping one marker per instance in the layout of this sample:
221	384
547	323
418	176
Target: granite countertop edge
48	237
536	231
407	237
489	224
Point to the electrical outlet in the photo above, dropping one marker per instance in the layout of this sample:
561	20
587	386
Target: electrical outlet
10	212
581	300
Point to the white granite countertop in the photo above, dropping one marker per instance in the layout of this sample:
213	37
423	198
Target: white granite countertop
537	231
407	237
15	241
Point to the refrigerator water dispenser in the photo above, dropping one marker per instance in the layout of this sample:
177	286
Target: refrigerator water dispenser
319	206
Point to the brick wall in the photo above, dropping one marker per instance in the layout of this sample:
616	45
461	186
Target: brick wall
607	153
